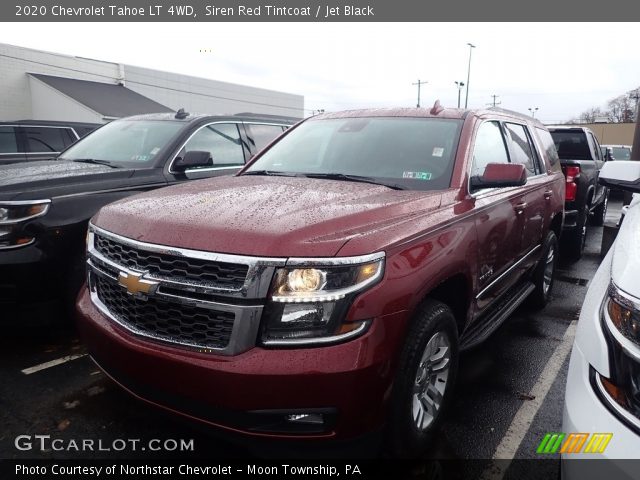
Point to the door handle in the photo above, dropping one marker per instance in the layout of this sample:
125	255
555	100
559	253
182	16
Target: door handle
548	194
519	207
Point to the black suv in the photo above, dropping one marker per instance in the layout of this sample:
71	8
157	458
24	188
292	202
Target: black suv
45	206
29	140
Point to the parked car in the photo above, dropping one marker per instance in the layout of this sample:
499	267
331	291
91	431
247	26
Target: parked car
616	152
581	160
603	392
45	206
327	289
29	140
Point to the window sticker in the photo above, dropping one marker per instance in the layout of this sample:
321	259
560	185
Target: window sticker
437	152
417	175
154	151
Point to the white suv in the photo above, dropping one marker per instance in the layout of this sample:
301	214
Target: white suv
603	383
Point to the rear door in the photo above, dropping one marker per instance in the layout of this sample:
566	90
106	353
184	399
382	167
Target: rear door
44	143
259	135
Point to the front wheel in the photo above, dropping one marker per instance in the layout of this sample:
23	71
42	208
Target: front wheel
425	379
543	275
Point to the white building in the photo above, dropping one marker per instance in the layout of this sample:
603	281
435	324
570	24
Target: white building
41	85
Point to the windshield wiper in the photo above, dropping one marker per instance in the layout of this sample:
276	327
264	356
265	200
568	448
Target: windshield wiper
273	173
355	178
94	161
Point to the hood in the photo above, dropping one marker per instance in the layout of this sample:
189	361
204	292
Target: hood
626	255
39	179
263	216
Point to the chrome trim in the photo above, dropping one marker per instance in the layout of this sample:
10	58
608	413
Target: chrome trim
120	189
506	272
243	334
196	170
333	261
256	285
18	203
615	405
217	123
320	340
628	301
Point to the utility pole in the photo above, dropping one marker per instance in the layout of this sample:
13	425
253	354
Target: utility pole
533	111
419	84
466	100
636	96
494	103
459	85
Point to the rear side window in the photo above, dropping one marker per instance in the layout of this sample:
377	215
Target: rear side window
262	135
549	147
521	150
489	148
8	141
45	139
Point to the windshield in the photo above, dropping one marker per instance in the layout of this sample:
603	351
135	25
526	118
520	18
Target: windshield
414	153
621	153
125	142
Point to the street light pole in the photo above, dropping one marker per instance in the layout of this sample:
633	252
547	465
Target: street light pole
466	100
460	85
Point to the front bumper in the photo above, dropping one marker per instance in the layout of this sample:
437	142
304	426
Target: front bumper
252	393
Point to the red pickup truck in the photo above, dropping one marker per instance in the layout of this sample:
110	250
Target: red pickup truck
326	291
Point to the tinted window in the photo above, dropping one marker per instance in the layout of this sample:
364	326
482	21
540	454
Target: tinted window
44	139
261	135
546	140
416	153
222	140
8	142
571	144
489	148
127	142
521	151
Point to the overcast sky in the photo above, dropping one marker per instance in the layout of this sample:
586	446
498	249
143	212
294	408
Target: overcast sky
561	68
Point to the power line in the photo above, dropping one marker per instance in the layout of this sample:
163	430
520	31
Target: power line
419	84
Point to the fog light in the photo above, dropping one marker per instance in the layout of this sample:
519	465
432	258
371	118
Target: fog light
306	418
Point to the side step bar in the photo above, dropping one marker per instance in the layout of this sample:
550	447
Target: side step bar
485	326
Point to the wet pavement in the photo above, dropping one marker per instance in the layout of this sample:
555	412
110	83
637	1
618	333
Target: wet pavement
74	400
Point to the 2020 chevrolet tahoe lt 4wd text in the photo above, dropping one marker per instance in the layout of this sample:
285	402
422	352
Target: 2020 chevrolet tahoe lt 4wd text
327	289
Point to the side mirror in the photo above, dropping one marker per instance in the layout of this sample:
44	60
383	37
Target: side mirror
608	155
193	159
621	174
500	175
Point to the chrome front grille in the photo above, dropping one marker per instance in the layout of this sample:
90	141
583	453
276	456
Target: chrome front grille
180	269
192	299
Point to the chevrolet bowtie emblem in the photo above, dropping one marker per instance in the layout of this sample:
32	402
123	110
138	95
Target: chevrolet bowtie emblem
135	284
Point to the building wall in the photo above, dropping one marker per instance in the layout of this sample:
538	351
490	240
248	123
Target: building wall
16	62
170	89
613	133
47	103
210	96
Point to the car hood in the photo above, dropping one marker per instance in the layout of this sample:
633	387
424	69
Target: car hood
263	216
626	255
23	180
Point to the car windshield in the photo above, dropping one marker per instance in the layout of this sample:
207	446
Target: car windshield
621	153
124	143
401	152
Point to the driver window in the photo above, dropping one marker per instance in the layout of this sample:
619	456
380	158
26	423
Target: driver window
222	141
489	147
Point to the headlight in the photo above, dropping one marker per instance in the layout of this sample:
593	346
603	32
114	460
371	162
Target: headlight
12	216
624	315
309	301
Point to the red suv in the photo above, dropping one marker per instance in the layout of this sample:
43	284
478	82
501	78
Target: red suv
326	290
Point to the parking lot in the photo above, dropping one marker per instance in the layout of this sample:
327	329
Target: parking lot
509	391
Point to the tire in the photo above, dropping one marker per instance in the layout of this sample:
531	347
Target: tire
600	212
574	242
543	275
432	339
